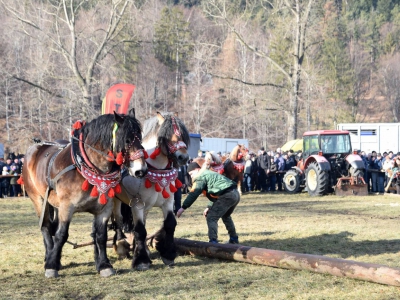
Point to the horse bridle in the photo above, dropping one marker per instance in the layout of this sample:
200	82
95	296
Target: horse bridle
179	144
138	154
132	157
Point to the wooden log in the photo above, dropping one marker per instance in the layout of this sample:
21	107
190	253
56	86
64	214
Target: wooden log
295	261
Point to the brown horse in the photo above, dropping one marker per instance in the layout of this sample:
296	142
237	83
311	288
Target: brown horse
82	176
231	166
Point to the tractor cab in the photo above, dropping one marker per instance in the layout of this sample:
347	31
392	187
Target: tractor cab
326	143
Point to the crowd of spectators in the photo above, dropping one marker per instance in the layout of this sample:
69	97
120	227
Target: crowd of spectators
379	168
11	170
265	170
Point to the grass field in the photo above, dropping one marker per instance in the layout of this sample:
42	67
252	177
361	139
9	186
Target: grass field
364	229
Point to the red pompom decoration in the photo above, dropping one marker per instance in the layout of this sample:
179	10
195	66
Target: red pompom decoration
94	192
103	199
20	180
172	188
85	185
156	152
120	158
178	183
157	187
110	156
165	194
147	183
118	189
111	193
145	155
77	125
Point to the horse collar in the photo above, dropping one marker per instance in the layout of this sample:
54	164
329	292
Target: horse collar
103	182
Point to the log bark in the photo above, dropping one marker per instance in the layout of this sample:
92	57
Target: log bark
296	261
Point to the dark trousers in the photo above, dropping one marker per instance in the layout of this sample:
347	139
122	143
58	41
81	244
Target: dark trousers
4	190
272	182
247	182
381	182
279	180
15	189
262	180
222	209
367	178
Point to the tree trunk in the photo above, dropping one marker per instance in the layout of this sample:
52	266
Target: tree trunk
294	261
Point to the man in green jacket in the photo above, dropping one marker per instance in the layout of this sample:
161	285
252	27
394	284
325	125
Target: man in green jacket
223	195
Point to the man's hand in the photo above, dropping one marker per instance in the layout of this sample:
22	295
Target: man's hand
179	212
205	212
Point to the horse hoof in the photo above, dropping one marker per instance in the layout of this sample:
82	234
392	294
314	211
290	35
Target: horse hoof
143	267
107	272
168	262
51	273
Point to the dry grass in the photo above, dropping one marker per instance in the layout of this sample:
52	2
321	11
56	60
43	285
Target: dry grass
362	229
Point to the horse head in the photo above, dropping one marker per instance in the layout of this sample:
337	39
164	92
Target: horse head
238	152
173	139
112	140
127	144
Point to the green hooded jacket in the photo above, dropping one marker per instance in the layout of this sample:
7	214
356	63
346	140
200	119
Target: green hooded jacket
211	182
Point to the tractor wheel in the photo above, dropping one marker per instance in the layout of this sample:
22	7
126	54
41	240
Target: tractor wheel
291	182
317	181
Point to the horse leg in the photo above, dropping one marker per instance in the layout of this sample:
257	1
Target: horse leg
54	246
141	257
103	265
165	244
120	245
48	231
240	181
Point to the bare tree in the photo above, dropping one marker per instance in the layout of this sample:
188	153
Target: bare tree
299	23
63	27
390	87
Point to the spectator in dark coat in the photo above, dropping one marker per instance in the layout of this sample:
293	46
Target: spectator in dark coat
264	166
280	161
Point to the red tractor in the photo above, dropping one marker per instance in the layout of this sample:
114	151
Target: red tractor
327	164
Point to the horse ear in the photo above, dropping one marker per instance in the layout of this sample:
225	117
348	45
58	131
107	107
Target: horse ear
119	119
160	118
132	112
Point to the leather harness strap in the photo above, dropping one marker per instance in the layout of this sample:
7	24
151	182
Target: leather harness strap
52	183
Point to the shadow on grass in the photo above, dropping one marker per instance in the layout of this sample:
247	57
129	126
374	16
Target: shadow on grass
339	244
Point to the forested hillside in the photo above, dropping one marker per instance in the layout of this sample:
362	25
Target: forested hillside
261	70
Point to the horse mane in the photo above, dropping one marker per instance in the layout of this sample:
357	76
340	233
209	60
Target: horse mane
100	130
150	127
164	132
